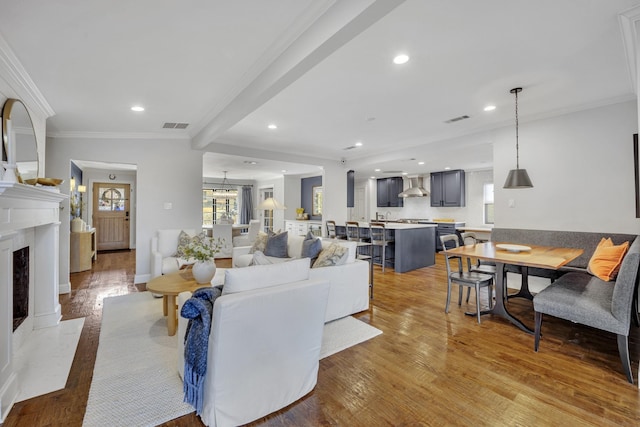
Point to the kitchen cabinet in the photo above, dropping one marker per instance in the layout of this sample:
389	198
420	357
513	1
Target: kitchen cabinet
388	190
448	189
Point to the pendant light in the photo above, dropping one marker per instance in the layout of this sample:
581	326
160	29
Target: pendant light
518	178
226	191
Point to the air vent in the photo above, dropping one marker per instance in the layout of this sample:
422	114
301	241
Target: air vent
457	119
175	125
351	147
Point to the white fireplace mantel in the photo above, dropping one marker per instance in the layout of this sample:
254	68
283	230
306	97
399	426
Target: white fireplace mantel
32	211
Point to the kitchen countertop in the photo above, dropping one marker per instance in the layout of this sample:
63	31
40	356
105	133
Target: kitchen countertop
480	229
399	225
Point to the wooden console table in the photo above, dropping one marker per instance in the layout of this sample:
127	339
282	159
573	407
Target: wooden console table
82	250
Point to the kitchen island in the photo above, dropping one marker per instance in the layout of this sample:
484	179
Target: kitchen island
413	247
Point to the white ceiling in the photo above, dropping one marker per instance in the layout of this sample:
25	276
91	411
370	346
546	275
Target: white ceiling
321	70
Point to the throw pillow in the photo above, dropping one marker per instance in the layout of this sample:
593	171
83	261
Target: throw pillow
311	247
606	259
184	239
260	242
332	256
277	245
259	258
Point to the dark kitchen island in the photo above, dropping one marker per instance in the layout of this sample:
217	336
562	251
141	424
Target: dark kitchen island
413	247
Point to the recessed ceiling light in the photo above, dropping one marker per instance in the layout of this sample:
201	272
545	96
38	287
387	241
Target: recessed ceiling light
272	126
401	59
137	108
405	173
358	144
376	170
489	108
283	171
373	177
447	168
421	163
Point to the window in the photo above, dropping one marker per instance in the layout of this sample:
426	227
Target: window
267	215
219	206
488	203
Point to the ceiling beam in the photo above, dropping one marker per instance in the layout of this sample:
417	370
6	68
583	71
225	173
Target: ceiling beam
332	29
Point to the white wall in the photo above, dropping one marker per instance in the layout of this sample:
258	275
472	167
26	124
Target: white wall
168	171
581	166
334	196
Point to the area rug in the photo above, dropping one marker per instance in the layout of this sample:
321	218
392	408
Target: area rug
135	380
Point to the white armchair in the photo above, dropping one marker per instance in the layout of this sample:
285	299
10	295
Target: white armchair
247	239
163	249
265	340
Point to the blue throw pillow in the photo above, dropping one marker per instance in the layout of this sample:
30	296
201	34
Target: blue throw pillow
277	245
311	247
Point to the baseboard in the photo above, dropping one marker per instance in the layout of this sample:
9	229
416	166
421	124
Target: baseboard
64	288
8	395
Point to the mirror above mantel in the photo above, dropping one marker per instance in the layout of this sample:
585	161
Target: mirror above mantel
19	147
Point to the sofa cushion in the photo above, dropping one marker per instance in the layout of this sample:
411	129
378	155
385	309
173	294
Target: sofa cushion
277	245
334	255
259	258
606	259
311	247
260	243
264	276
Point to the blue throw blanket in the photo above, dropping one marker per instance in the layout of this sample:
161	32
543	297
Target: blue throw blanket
198	309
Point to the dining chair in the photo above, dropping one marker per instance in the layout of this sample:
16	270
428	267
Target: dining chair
465	278
378	234
469	238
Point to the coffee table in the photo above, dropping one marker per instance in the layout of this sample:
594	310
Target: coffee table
170	285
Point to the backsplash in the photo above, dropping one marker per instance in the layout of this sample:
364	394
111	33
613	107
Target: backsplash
471	214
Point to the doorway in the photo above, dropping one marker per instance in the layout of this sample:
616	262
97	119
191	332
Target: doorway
111	208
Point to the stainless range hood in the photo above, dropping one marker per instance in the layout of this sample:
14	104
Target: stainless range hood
415	189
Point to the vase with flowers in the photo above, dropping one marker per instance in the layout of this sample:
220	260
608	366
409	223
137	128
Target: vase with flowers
203	252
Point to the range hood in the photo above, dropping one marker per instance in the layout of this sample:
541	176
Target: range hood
415	189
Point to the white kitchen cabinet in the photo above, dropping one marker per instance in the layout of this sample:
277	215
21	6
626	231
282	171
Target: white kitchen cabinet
301	228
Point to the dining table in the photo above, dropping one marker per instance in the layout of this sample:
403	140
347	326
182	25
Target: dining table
503	253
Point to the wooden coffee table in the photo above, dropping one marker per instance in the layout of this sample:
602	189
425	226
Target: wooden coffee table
170	285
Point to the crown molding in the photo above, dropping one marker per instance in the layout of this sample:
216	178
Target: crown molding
20	82
628	22
117	135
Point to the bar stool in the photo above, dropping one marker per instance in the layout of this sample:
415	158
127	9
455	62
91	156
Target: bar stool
332	232
378	234
354	235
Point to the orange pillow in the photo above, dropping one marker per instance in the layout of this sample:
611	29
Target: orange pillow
606	259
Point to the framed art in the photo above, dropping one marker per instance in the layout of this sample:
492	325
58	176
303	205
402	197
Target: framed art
316	201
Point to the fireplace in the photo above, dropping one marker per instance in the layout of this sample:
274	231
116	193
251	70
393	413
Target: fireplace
20	286
29	275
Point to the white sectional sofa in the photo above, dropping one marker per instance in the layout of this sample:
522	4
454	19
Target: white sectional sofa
349	292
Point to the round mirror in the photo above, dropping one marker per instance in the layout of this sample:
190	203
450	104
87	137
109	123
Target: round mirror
19	141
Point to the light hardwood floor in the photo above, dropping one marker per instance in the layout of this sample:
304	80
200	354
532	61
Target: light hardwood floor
427	368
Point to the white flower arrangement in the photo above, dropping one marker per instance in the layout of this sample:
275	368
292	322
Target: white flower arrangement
203	250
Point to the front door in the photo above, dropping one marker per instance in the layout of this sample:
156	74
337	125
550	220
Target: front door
111	215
